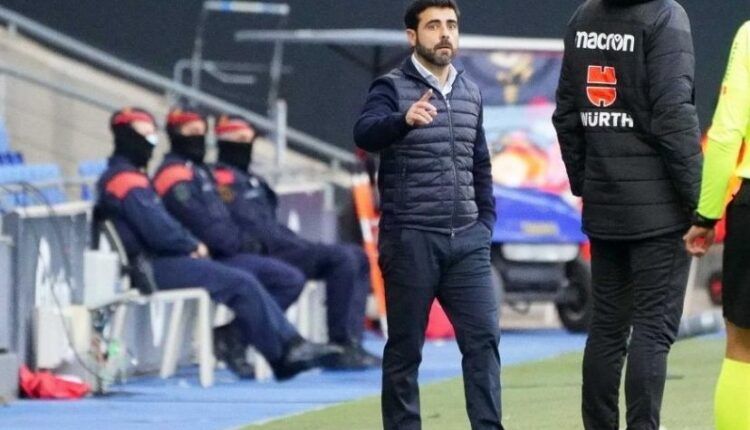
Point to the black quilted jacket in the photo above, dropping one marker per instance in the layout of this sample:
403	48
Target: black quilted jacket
626	119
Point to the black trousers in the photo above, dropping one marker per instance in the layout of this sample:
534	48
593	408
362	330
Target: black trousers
418	267
736	277
639	289
259	317
346	272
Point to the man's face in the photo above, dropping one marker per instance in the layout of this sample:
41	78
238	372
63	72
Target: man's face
144	128
436	36
193	128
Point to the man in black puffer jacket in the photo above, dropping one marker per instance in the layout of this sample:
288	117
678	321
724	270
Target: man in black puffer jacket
425	119
629	136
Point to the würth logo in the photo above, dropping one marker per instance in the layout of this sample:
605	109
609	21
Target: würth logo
603	92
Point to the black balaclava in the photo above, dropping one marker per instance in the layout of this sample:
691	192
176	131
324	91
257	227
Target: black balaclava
130	144
236	154
191	147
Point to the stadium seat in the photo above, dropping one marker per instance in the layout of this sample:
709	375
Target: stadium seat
4	140
10	158
89	171
45	177
307	314
177	298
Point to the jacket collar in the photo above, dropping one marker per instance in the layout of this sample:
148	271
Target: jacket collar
410	70
120	162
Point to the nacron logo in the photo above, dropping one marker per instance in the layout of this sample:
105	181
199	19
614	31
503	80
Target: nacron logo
605	42
601	96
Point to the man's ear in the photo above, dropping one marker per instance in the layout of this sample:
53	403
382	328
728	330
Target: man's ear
411	36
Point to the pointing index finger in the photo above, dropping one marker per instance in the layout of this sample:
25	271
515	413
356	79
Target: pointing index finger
426	96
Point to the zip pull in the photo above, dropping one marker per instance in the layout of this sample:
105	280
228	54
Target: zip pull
453	233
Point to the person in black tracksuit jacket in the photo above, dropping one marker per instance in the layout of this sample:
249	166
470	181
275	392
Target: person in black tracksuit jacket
179	260
437	214
629	136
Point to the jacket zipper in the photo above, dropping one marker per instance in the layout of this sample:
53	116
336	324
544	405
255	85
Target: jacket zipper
453	143
402	187
453	159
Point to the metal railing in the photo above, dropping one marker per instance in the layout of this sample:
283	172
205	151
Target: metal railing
57	87
18	22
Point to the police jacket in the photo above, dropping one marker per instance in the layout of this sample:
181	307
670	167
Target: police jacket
626	119
126	198
190	195
436	177
253	205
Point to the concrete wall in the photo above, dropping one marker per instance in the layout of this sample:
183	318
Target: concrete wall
50	127
325	91
47	126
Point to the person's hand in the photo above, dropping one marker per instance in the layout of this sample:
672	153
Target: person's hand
422	112
200	252
698	240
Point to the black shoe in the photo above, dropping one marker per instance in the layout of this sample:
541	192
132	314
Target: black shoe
353	357
372	360
303	355
229	348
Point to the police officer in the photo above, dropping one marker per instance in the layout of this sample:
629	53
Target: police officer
344	268
187	188
179	260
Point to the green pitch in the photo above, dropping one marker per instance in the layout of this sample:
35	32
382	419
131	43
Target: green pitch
539	396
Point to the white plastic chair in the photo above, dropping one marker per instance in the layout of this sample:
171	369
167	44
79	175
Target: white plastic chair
178	297
307	315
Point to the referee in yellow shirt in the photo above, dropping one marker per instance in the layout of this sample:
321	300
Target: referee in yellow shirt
729	131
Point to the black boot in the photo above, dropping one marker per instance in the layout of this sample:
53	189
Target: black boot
302	355
370	359
229	348
353	357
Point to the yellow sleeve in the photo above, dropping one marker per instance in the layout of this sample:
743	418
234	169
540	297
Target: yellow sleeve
728	129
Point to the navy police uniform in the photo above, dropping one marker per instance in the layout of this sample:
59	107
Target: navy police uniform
146	228
189	194
344	268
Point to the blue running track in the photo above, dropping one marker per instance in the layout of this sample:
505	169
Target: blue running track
180	404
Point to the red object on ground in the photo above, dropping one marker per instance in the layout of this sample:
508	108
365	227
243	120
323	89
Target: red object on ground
439	326
45	385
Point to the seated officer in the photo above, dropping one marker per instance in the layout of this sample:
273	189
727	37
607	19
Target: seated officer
344	268
186	186
179	260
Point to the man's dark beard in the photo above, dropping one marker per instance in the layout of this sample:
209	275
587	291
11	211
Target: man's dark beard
431	54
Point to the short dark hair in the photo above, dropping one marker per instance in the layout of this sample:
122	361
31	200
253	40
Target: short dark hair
411	18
